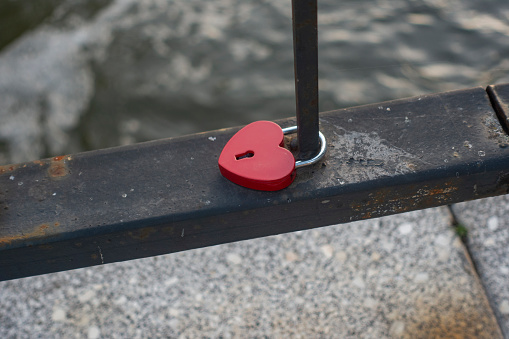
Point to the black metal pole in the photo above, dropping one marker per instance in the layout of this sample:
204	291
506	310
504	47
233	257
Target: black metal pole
305	49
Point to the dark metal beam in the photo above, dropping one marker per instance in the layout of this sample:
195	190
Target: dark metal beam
499	96
168	195
305	51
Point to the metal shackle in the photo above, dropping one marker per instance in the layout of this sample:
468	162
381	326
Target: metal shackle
317	157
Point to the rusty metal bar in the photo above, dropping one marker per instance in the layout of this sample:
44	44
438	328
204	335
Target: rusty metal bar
305	51
168	195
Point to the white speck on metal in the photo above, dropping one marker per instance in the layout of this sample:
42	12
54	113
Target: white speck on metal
101	254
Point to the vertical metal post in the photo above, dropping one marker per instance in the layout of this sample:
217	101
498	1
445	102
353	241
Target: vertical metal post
305	50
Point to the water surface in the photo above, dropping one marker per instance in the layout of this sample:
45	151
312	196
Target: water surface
78	75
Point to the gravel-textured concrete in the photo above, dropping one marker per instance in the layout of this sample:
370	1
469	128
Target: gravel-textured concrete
487	222
405	276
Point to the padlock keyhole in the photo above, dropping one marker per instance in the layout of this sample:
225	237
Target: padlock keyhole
248	154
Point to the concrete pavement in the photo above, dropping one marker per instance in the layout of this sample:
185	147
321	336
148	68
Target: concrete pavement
404	276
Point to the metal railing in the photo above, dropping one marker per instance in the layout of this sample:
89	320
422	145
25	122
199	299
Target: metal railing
168	195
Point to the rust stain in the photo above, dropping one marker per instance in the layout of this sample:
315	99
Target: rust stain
388	201
58	168
367	215
436	191
38	232
8	168
142	234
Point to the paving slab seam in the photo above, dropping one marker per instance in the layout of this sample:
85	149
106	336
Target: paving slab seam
455	223
488	227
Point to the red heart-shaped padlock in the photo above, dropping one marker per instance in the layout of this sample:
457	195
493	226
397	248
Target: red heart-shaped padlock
254	158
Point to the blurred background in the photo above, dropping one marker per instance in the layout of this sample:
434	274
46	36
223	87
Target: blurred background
78	75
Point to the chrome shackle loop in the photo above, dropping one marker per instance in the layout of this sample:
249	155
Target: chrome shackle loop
316	158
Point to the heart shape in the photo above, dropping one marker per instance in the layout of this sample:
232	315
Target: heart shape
254	158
